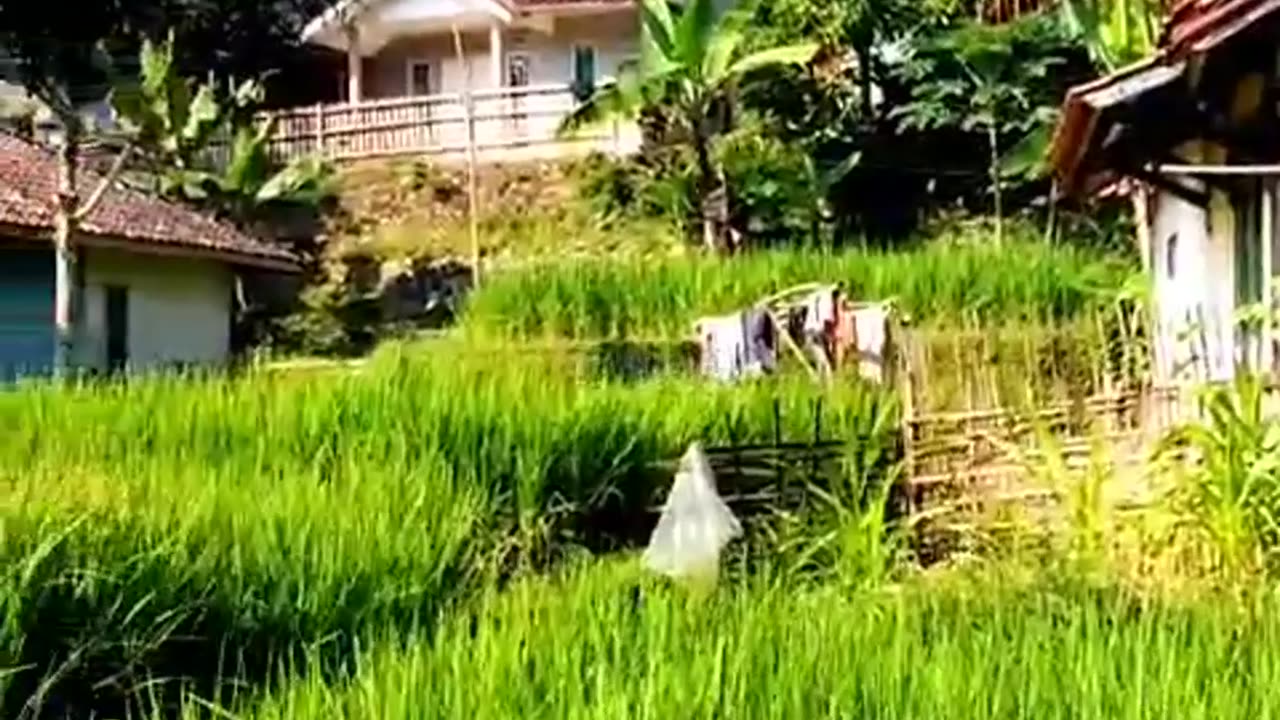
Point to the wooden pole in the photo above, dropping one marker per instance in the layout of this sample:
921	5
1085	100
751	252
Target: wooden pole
472	191
319	120
64	257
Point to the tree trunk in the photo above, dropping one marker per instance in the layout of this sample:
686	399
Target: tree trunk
64	228
707	190
863	54
994	141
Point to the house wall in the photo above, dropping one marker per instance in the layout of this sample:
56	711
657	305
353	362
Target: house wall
26	309
614	36
179	309
1192	271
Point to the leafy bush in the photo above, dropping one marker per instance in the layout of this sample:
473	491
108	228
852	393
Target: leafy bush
1228	471
777	195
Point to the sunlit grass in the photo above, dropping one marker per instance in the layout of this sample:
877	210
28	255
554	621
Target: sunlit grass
606	642
942	283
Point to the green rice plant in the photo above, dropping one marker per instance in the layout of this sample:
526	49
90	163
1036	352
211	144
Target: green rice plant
183	529
955	283
1227	471
189	574
607	642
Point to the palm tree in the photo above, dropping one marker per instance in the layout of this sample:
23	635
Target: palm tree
690	61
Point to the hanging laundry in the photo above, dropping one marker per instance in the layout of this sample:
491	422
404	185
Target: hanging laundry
762	341
818	331
740	345
871	338
723	346
820	311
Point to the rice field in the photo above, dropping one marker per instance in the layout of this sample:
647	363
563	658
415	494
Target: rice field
451	530
606	642
941	283
213	528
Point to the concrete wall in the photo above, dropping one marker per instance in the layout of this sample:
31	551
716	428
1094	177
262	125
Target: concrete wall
179	309
614	36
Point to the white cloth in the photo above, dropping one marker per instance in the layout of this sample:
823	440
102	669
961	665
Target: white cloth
723	346
695	525
871	335
820	311
762	342
737	345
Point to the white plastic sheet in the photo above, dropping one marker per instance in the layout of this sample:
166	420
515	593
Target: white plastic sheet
696	524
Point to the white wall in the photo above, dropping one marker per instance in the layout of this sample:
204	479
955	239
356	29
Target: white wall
549	47
179	309
1187	264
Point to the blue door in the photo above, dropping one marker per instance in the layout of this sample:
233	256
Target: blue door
26	312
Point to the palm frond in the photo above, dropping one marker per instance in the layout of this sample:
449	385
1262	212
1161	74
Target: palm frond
787	55
694	31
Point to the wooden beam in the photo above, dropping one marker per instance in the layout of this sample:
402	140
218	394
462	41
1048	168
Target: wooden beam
1261	170
1192	195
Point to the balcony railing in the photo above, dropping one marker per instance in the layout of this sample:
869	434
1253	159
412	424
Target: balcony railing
503	121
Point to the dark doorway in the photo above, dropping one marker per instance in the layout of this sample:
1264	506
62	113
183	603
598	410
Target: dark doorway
117	327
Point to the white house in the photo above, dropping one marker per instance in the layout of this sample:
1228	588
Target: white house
156	280
431	75
1199	126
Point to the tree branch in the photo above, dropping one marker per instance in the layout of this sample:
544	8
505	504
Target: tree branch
117	167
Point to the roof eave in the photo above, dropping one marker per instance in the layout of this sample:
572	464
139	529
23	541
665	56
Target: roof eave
283	262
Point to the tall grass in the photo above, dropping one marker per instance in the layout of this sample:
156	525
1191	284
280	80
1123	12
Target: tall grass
196	528
951	282
607	643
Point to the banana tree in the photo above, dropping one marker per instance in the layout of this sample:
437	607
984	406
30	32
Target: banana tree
690	61
203	142
1115	32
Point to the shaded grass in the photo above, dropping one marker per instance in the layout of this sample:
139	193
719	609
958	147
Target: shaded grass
944	282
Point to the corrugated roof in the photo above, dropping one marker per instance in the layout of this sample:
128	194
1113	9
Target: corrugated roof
1194	28
28	200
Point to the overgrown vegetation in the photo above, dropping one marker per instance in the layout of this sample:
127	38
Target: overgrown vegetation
203	144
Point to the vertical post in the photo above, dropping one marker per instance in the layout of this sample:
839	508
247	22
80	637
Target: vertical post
355	66
496	54
319	120
468	108
63	253
1265	348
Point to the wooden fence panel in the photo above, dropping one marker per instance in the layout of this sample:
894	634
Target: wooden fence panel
524	117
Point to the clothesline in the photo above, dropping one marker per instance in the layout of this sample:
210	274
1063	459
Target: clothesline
816	323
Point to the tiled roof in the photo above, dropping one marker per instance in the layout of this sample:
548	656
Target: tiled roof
28	183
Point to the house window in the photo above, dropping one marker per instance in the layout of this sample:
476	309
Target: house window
1171	256
421	78
519	67
584	71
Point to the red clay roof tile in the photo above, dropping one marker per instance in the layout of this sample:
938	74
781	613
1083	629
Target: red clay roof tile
28	180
